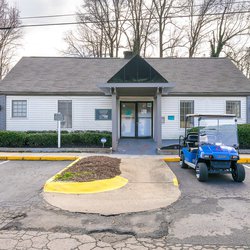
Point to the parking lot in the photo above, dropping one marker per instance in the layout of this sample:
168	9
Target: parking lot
215	212
22	181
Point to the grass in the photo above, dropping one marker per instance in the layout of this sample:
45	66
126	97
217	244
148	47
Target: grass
69	175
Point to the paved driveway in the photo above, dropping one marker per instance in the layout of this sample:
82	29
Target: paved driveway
214	212
22	181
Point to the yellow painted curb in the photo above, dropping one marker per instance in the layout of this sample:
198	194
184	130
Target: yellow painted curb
171	159
244	160
38	158
175	181
85	187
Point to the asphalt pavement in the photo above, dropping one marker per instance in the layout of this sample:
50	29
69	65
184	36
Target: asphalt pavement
211	214
217	211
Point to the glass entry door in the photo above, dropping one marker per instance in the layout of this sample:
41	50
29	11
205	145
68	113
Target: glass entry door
144	119
136	119
128	119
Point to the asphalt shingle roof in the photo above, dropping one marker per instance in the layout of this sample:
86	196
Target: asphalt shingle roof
45	75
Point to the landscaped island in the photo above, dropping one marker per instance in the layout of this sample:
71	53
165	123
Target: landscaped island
93	174
91	168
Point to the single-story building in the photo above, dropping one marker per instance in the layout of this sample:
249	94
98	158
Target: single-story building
133	97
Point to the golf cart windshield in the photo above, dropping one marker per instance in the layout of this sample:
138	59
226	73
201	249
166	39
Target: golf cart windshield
218	131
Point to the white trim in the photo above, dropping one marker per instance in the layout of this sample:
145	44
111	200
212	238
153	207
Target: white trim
19	117
190	164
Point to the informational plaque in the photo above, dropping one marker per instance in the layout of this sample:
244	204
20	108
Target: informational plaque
103	114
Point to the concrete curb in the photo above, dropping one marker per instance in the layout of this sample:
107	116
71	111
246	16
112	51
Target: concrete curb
38	158
52	186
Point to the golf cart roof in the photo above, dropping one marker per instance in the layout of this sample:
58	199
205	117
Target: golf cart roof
211	115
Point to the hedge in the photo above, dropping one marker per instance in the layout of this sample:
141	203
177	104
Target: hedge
243	135
42	139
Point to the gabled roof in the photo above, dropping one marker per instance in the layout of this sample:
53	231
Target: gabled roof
137	70
60	75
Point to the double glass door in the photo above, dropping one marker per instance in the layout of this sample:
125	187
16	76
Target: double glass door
136	119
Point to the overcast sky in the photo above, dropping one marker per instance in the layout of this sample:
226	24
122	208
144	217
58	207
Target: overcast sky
44	41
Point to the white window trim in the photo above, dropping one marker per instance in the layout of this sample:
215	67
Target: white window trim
11	110
239	101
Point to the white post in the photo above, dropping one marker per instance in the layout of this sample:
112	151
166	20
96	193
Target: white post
59	133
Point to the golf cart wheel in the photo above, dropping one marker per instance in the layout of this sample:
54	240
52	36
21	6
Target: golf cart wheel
201	171
183	164
238	172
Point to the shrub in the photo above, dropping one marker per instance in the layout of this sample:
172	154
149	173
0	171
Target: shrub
41	140
12	139
49	139
244	135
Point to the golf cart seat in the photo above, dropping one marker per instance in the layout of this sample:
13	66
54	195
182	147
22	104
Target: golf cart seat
192	142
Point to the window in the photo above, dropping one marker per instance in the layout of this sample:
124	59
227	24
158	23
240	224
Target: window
233	107
19	108
186	107
65	108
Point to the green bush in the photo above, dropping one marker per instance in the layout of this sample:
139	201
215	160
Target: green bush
12	139
49	139
38	140
243	134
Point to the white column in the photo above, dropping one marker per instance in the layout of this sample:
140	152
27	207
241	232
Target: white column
158	119
154	118
114	120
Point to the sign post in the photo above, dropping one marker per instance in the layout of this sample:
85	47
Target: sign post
59	118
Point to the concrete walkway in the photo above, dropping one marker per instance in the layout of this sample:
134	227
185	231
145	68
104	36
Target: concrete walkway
136	147
150	187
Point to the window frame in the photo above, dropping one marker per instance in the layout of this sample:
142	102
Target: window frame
12	109
192	107
62	126
237	102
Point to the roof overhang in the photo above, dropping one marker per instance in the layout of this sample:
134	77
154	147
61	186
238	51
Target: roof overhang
136	89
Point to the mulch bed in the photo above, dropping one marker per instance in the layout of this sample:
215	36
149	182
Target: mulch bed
91	168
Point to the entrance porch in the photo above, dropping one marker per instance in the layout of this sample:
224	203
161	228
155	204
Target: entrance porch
136	91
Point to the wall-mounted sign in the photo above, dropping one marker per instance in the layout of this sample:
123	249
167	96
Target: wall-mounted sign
171	117
103	114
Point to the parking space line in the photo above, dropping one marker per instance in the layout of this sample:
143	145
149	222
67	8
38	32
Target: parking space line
246	166
3	162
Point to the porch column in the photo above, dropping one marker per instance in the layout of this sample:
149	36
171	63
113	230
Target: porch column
154	116
248	109
114	120
158	135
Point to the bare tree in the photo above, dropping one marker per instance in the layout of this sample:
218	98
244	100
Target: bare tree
9	35
140	26
85	41
199	23
229	24
240	55
173	41
163	10
99	31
